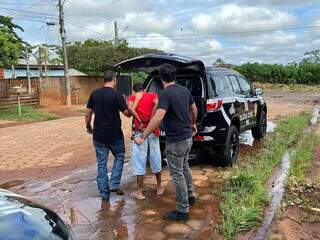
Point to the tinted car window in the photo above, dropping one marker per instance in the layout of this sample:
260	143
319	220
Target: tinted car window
155	85
235	84
245	86
218	85
191	82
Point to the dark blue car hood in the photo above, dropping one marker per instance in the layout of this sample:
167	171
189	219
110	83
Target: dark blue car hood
22	219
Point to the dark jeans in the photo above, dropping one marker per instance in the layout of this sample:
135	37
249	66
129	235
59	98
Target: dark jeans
177	156
102	151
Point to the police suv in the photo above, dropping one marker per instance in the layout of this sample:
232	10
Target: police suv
227	103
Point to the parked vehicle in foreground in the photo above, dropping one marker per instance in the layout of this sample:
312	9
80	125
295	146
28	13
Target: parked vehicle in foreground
227	104
21	219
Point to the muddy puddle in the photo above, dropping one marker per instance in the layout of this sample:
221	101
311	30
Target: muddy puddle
76	199
246	138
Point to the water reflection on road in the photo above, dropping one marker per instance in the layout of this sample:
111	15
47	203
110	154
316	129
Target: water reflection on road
76	199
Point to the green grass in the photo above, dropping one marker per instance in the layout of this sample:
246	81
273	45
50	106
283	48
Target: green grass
302	156
299	187
245	196
28	114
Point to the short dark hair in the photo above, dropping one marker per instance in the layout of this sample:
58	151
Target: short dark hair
168	72
138	87
108	75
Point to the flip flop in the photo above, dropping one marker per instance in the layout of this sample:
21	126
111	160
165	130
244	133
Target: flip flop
160	191
136	195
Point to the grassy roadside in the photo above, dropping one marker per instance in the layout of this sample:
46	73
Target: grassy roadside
244	196
28	114
302	156
300	190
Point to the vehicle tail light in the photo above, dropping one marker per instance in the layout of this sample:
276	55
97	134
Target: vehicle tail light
214	104
199	138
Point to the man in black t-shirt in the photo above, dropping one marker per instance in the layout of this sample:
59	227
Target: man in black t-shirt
178	111
106	103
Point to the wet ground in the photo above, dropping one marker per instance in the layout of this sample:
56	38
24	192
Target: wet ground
70	188
75	198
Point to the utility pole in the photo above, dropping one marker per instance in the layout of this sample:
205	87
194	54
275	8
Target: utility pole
28	70
116	37
40	74
65	58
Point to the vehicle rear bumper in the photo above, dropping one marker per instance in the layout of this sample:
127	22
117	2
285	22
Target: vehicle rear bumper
205	139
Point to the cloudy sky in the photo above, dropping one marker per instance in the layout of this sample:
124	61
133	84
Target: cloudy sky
270	31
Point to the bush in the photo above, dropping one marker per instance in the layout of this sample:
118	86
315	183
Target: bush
303	73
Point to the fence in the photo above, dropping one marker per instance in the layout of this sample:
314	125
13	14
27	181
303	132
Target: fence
8	97
52	89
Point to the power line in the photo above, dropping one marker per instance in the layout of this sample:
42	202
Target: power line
29	12
249	32
25	4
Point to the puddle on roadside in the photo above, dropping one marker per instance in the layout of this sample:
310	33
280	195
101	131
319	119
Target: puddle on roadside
246	138
126	218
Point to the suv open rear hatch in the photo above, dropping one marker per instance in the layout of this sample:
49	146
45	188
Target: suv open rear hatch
151	62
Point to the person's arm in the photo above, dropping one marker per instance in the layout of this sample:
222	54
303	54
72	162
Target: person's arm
153	124
137	98
133	111
156	102
89	112
88	120
194	115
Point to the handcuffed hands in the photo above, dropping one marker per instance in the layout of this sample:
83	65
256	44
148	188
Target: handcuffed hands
139	140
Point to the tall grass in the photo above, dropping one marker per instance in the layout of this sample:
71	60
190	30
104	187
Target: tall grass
245	195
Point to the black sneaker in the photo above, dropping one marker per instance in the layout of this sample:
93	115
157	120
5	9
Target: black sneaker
117	191
191	200
176	216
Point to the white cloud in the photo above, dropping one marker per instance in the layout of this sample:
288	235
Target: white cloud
215	45
149	20
241	18
162	42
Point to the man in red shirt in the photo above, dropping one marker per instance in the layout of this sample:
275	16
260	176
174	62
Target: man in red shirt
144	105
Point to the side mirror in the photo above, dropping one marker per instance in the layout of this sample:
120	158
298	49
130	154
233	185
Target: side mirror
258	91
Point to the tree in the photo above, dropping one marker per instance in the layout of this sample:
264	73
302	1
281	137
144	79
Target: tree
95	56
312	56
11	45
219	62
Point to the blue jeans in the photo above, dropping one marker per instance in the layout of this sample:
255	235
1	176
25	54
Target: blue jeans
102	151
139	155
177	155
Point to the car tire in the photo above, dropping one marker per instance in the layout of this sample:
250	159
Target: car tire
260	130
230	150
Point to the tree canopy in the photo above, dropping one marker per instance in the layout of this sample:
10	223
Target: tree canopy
11	45
95	56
